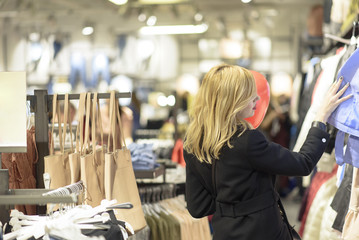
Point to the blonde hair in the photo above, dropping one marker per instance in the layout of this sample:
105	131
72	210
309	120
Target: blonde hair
225	91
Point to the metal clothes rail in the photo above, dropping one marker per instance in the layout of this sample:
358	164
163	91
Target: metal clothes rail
41	105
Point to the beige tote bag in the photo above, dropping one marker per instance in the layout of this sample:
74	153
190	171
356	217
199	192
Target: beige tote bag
74	158
57	164
120	181
92	164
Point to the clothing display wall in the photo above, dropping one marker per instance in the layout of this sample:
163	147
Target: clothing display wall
329	205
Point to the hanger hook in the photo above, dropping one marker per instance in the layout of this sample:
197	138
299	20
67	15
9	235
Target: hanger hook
354	25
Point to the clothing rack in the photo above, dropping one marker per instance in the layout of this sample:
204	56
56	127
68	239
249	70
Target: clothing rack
41	105
10	197
75	188
151	193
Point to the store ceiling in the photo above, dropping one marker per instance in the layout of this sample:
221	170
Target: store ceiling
49	16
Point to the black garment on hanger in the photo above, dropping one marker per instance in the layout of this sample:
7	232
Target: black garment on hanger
327	7
331	143
341	198
306	97
113	233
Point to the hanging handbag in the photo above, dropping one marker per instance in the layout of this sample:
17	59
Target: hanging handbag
295	235
120	181
92	164
74	158
57	164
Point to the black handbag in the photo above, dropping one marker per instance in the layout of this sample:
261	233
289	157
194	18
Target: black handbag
295	235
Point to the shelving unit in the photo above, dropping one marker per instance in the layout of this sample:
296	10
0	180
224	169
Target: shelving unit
145	174
167	163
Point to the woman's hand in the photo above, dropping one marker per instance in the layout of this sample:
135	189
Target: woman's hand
332	100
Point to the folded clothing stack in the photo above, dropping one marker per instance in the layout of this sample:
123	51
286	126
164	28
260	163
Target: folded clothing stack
143	156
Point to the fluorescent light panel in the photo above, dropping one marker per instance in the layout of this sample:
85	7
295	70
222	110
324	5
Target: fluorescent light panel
161	1
118	2
173	29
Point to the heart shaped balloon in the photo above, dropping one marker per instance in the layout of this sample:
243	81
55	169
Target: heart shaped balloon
263	92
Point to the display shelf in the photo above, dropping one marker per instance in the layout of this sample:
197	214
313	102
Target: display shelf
167	162
147	133
153	173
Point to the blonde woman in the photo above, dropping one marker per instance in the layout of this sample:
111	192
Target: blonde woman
231	167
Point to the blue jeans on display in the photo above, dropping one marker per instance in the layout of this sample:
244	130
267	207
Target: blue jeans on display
78	70
100	69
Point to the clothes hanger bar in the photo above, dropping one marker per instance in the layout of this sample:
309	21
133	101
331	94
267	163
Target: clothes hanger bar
126	205
75	188
36	200
99	95
32	98
336	38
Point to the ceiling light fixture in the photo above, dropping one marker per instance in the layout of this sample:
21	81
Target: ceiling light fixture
246	1
34	36
151	20
88	30
118	2
173	29
198	17
142	17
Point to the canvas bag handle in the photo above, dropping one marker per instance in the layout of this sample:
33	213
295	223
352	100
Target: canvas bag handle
117	110
115	115
67	120
95	102
112	123
55	110
79	129
86	144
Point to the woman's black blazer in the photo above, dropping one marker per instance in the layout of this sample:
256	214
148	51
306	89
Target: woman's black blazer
245	204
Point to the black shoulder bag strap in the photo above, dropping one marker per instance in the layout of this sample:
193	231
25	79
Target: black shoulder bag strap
214	176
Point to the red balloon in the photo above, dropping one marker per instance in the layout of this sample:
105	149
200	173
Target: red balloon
263	92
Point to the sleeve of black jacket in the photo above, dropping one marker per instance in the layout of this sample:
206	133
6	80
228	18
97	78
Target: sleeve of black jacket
200	201
272	158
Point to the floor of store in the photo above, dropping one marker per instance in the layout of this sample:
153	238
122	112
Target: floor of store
292	205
